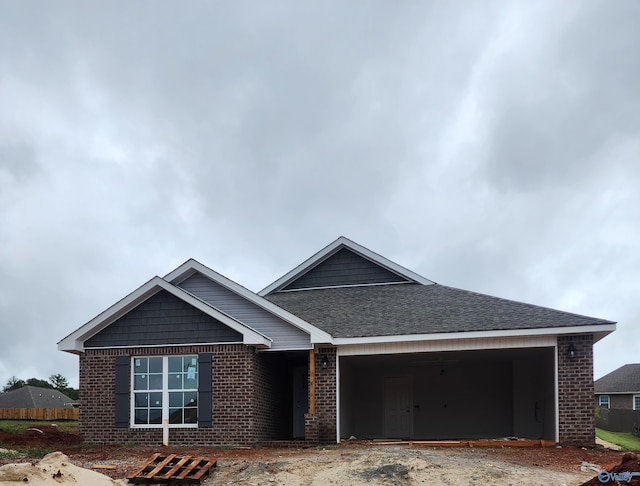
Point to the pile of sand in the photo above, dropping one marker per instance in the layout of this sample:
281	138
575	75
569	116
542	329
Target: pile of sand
54	469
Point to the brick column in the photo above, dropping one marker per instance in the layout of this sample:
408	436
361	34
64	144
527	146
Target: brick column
576	391
311	429
325	386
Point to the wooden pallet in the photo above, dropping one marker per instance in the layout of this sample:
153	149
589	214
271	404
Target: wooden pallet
173	469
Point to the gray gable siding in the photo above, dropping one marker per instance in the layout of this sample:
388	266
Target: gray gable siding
163	319
344	268
283	334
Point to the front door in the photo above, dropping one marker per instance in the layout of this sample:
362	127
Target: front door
397	392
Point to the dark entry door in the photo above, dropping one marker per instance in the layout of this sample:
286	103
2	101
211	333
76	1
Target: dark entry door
398	407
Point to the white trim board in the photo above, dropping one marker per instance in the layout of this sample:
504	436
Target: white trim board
599	332
446	345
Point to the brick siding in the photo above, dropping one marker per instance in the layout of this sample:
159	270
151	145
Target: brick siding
575	391
325	389
240	399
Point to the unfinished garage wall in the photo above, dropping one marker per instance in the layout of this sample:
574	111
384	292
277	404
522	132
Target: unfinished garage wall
576	391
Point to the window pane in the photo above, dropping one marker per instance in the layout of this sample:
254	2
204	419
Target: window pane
141	400
190	415
176	399
155	382
155	399
175	416
190	399
155	416
155	365
140	365
175	364
140	382
191	378
175	381
142	416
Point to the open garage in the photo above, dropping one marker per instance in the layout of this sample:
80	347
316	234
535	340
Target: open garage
449	395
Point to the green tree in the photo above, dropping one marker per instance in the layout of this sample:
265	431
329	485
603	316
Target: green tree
39	382
58	382
13	383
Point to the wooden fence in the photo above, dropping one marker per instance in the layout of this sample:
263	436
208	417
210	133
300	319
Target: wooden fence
67	413
618	420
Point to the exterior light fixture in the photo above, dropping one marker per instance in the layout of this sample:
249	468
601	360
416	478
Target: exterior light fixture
324	362
571	352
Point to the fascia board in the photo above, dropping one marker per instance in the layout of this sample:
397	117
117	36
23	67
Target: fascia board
552	331
617	393
191	266
328	250
74	342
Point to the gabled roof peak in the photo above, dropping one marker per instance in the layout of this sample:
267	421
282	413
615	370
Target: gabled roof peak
344	263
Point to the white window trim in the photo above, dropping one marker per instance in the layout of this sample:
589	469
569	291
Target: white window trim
600	397
635	397
165	398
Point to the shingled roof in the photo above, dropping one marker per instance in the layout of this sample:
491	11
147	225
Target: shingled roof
405	309
625	379
34	397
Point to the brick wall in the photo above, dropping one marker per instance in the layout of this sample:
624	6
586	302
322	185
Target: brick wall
618	402
575	391
240	410
325	416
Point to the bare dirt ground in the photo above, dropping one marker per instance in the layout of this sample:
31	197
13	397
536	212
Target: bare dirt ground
351	463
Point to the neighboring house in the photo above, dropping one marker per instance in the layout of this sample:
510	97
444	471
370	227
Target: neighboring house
35	397
620	389
346	344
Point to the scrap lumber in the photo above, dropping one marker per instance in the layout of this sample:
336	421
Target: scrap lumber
173	469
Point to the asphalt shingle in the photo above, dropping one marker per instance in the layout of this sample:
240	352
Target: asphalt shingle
625	379
404	309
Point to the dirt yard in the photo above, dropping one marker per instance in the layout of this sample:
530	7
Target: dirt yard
352	463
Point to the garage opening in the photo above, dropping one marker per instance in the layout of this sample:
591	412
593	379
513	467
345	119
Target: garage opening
449	396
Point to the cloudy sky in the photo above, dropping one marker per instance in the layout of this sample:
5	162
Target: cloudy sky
489	146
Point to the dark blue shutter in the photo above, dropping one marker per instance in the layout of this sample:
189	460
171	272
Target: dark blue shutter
205	412
123	371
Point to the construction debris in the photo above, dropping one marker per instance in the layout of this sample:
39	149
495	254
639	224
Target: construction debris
173	469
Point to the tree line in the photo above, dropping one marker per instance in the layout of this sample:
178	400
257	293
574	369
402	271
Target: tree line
56	382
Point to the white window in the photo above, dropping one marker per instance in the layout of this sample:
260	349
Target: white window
636	402
165	388
604	401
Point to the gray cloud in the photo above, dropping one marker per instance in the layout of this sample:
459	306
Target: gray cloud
491	147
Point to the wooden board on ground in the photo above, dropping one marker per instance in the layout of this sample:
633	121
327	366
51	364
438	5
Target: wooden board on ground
173	469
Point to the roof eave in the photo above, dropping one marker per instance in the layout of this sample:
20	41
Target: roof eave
599	331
